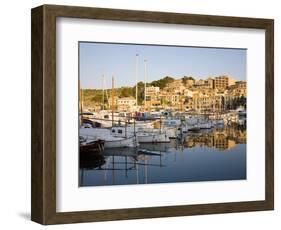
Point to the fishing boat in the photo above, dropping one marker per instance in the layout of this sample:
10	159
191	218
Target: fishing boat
217	122
149	137
171	132
143	135
198	122
171	122
90	145
119	142
173	127
241	111
145	116
111	141
193	128
205	125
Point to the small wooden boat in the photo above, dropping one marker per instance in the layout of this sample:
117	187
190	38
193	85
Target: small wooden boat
91	145
194	128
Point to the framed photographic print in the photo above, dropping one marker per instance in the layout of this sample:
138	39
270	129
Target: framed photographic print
140	114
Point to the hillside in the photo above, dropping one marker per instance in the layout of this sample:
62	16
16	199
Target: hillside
95	96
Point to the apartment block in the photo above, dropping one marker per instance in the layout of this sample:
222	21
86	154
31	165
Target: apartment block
223	82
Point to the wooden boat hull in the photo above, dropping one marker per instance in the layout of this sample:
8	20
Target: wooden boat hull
92	146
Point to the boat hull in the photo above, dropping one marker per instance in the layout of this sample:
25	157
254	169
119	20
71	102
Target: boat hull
110	141
153	138
120	142
92	146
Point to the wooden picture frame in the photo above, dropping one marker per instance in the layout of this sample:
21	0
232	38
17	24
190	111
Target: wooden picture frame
43	208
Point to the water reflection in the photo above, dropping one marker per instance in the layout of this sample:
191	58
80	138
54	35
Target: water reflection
219	138
194	157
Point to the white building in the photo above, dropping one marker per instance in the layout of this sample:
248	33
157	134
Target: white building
126	103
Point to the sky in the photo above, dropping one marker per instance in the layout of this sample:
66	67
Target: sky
118	60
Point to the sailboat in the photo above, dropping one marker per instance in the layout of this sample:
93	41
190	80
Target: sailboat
143	135
110	141
90	145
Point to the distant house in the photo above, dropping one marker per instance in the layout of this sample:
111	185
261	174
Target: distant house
223	82
115	98
126	103
205	84
153	97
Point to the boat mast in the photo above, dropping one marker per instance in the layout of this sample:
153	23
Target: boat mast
137	62
145	78
106	94
146	171
81	103
112	100
103	91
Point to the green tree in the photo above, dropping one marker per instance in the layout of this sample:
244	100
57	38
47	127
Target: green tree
162	82
186	78
125	92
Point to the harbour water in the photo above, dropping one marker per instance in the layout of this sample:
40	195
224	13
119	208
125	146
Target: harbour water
208	155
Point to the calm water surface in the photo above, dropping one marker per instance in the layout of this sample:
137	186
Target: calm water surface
210	155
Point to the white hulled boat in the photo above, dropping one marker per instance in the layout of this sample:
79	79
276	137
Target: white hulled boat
195	122
111	141
143	135
150	137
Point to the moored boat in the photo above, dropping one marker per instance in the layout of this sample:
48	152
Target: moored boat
90	146
193	128
110	140
143	135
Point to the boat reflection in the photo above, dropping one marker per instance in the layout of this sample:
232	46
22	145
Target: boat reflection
157	163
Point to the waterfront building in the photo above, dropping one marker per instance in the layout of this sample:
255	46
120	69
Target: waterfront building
126	103
208	99
235	93
210	83
204	84
202	100
114	106
239	89
188	103
153	99
223	82
150	90
199	83
174	101
219	104
188	92
176	86
210	94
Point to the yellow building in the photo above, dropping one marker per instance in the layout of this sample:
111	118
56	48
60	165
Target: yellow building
239	89
152	90
205	84
176	86
115	98
153	98
223	82
126	103
208	99
236	91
